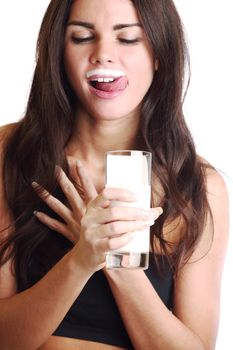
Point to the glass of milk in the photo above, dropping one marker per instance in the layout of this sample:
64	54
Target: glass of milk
130	170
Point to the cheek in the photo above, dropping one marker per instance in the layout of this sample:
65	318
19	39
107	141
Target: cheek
142	65
69	63
147	66
72	69
142	76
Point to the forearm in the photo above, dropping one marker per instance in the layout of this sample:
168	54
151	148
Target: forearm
149	323
29	318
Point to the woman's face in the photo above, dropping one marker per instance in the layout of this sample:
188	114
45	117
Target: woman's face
108	60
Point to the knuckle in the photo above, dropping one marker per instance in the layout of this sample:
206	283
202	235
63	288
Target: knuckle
44	195
105	193
113	212
88	237
113	226
84	222
111	244
94	245
55	203
67	188
55	225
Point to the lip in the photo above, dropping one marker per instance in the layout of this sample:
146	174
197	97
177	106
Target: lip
96	74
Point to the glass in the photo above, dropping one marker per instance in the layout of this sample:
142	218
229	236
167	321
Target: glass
130	170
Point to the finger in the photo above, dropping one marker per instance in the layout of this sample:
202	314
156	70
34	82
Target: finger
74	175
121	227
122	213
116	242
125	213
86	182
110	214
53	224
113	194
58	207
70	192
157	211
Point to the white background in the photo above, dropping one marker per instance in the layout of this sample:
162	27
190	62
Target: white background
208	105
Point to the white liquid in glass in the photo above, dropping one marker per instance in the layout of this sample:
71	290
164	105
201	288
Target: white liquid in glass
130	172
141	241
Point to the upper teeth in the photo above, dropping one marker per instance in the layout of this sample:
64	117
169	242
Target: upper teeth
103	80
104	73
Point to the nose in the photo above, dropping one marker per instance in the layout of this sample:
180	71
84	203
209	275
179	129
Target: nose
103	52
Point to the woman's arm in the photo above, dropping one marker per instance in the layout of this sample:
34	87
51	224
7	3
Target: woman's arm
198	287
194	323
149	323
27	319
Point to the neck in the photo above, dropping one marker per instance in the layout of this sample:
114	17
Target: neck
92	138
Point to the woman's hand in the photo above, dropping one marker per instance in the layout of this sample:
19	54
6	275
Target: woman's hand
91	222
77	203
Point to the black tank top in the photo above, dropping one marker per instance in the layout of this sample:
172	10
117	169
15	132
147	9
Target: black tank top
94	315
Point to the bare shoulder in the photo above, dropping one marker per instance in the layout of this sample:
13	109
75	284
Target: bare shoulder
217	195
215	185
198	284
5	132
216	232
7	279
214	180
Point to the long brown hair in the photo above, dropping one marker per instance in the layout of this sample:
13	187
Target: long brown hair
37	144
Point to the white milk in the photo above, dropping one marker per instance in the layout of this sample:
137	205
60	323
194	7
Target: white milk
141	242
130	172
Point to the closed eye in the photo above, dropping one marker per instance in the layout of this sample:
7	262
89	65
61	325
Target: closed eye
80	40
129	41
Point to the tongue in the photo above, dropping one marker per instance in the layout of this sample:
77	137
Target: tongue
118	84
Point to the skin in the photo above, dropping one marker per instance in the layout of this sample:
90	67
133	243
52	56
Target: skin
103	126
105	47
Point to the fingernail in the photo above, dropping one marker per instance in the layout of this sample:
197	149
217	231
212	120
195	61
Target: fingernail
34	184
78	163
158	212
35	212
57	170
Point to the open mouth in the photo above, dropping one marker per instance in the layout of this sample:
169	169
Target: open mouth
96	81
109	84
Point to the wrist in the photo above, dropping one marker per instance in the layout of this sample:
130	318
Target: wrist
76	266
88	262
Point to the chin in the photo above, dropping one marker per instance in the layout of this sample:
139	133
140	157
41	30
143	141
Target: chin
108	113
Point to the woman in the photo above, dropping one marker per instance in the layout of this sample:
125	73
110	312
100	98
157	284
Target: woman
109	75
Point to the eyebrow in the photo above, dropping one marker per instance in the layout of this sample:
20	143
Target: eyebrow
91	26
